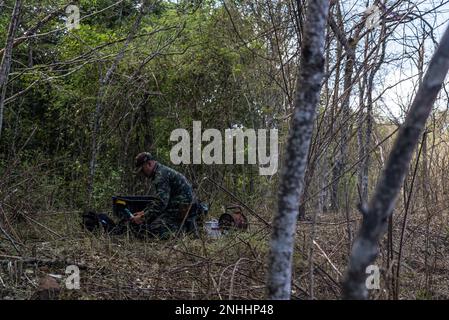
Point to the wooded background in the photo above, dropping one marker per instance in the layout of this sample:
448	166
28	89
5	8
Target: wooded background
77	105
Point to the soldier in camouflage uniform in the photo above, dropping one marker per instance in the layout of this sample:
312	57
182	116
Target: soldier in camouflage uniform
168	212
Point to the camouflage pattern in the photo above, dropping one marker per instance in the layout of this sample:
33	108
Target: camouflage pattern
173	196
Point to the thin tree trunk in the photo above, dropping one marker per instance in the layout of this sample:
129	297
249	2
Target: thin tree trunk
375	217
365	155
104	82
350	46
292	182
422	153
408	207
361	117
327	121
426	192
340	162
7	57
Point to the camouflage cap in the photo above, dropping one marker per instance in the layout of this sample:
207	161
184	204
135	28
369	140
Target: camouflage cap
141	159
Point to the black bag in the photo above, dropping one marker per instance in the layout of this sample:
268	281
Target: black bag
93	221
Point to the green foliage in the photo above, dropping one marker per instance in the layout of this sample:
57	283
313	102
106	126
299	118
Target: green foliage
423	294
198	69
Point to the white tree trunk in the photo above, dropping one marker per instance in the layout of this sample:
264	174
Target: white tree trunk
292	181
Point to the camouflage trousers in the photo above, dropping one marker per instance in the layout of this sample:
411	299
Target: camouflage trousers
164	226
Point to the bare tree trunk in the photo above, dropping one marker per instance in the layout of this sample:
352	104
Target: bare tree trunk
360	125
104	82
340	162
425	185
327	121
292	182
375	217
350	45
7	57
364	154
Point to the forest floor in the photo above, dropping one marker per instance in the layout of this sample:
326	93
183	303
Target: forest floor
230	267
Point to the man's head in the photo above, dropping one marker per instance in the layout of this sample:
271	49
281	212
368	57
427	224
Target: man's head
145	164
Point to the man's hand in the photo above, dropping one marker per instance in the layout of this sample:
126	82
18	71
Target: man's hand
138	217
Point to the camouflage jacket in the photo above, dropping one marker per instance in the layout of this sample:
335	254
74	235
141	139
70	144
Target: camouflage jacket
171	190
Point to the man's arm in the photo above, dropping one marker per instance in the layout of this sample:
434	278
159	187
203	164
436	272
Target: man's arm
157	205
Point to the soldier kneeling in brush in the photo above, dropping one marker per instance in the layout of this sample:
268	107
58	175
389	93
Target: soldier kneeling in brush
173	207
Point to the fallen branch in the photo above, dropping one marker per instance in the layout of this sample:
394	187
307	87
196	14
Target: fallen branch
41	225
327	258
10	239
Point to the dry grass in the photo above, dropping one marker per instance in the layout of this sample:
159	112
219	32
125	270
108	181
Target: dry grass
127	268
232	267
